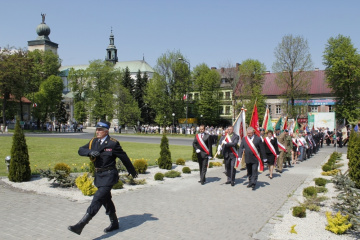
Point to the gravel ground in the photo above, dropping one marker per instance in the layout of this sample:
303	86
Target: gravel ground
313	226
45	187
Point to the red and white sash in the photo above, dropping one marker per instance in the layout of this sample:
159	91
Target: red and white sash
301	142
255	152
282	147
228	139
202	143
271	147
294	141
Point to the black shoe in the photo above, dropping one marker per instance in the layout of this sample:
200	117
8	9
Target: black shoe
114	223
228	182
285	166
202	183
242	168
77	228
253	187
232	184
249	186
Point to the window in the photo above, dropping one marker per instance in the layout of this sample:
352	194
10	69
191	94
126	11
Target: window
221	95
221	110
227	95
278	109
190	96
196	96
313	108
227	111
331	108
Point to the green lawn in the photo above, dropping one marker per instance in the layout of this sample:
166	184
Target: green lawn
46	152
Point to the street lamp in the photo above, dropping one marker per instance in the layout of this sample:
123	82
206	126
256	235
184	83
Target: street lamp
173	128
164	125
181	59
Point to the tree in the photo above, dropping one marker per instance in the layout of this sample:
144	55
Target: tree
100	89
127	110
128	82
342	63
252	75
207	82
60	113
48	97
164	160
292	65
78	83
19	169
140	88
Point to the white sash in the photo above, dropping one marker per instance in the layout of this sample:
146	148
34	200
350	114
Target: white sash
202	143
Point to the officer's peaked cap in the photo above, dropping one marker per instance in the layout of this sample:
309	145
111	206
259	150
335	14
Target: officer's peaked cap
103	124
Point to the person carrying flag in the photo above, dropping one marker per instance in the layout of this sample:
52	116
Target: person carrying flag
203	148
228	146
282	147
254	149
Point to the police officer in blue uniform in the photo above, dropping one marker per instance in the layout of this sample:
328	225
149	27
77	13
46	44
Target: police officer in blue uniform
103	151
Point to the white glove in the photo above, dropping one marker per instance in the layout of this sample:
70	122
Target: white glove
210	157
198	151
239	159
223	142
277	156
265	160
219	148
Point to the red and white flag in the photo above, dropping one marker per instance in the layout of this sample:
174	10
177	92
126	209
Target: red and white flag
266	119
184	97
255	121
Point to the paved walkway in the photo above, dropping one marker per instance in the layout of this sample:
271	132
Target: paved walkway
182	210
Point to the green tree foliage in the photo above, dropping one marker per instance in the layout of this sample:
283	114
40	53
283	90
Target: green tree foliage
19	169
207	82
128	82
252	78
60	113
80	113
164	160
354	158
100	89
127	110
48	97
342	63
78	83
140	89
293	66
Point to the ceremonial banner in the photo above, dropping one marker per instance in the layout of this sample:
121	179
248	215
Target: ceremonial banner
266	119
255	121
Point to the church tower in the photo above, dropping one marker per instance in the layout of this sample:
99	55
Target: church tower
43	42
111	51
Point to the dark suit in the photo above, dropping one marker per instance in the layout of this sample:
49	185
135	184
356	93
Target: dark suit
202	156
106	174
269	155
229	156
252	162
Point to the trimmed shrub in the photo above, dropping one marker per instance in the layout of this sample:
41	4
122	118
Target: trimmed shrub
172	174
63	167
310	192
216	164
164	160
186	170
337	224
85	184
321	189
19	169
159	176
211	165
180	161
118	185
326	167
299	212
320	182
140	165
331	173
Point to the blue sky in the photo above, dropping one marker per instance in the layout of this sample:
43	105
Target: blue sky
209	31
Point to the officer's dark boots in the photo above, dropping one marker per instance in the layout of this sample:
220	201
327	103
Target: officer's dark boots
77	228
114	223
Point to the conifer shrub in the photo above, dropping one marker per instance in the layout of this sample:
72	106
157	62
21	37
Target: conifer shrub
159	176
299	211
217	164
164	160
310	192
326	168
321	189
180	161
337	224
172	174
354	159
85	184
331	173
211	165
320	181
140	165
60	177
118	185
194	157
19	168
63	167
186	170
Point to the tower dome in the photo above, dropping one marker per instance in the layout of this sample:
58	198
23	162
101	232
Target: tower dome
43	31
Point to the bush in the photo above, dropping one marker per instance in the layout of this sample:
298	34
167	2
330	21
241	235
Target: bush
186	170
310	192
194	157
354	162
180	161
320	182
19	169
337	224
211	165
172	174
118	185
130	180
164	160
321	189
299	212
140	165
63	167
85	184
326	167
330	173
217	164
60	177
159	176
